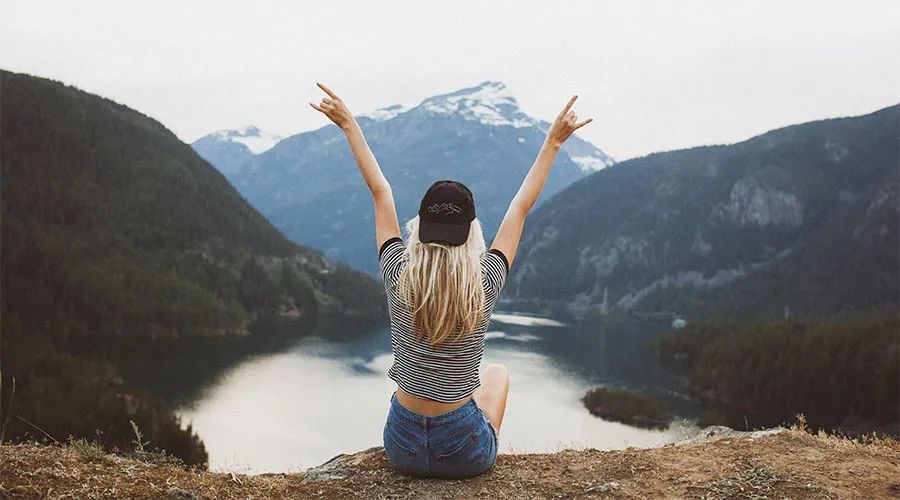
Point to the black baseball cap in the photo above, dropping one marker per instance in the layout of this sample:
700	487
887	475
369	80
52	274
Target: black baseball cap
446	212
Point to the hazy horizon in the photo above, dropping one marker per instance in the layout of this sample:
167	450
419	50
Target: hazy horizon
721	74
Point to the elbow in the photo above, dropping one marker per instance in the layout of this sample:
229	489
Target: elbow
519	208
381	189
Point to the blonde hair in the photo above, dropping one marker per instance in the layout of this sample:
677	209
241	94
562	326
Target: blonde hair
441	285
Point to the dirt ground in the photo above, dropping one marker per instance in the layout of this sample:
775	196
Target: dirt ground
787	464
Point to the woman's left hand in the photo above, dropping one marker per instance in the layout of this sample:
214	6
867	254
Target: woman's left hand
335	109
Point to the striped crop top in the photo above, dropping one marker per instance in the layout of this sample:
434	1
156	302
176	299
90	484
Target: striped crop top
449	372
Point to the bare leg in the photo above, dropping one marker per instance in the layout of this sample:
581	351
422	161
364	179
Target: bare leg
491	396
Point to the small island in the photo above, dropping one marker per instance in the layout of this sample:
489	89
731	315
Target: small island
627	407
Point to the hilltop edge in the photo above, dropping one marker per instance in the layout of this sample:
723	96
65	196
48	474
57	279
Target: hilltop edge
718	463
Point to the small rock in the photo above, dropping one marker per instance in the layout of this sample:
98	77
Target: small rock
716	432
339	466
604	488
180	494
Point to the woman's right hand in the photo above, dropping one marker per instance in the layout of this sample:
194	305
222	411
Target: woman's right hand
564	125
335	109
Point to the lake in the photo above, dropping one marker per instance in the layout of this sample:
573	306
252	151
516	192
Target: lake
287	398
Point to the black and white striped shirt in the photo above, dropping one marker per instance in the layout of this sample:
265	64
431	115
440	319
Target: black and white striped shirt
449	372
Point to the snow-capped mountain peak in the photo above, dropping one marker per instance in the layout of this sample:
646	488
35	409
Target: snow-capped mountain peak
490	103
477	135
256	140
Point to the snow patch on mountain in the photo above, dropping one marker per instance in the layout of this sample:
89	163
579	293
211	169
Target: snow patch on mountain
256	140
489	103
592	163
386	113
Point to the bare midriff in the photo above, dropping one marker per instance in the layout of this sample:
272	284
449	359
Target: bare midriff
428	407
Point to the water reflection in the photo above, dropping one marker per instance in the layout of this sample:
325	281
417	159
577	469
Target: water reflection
181	370
298	405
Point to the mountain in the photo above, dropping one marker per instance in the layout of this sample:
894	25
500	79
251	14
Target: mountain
309	187
111	225
227	149
799	221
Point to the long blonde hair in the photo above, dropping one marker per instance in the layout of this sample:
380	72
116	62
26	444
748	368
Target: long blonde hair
441	284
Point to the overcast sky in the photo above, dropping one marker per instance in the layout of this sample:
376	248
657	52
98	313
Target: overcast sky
653	75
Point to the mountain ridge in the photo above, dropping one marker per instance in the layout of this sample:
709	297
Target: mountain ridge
308	184
696	229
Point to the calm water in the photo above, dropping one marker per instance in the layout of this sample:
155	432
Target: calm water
284	401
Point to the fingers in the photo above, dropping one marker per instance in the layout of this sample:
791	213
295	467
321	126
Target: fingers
570	118
579	125
317	108
327	90
569	105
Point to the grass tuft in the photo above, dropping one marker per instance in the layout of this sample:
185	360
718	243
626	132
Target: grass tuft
90	450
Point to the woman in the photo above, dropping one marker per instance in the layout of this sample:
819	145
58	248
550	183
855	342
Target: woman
444	419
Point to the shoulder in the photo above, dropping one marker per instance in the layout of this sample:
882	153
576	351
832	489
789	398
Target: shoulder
496	261
391	259
392	244
495	267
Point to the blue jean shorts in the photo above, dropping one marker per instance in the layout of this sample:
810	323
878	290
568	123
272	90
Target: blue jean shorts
458	444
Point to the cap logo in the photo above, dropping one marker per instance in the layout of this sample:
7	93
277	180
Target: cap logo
444	208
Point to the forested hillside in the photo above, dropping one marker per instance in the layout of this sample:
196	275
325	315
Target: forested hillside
800	221
111	225
841	375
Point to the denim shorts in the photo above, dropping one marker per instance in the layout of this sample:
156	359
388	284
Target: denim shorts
458	444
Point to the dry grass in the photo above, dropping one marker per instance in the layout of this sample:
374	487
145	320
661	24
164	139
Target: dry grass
791	464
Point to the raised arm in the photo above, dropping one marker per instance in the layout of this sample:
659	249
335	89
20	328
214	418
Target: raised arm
510	231
386	224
